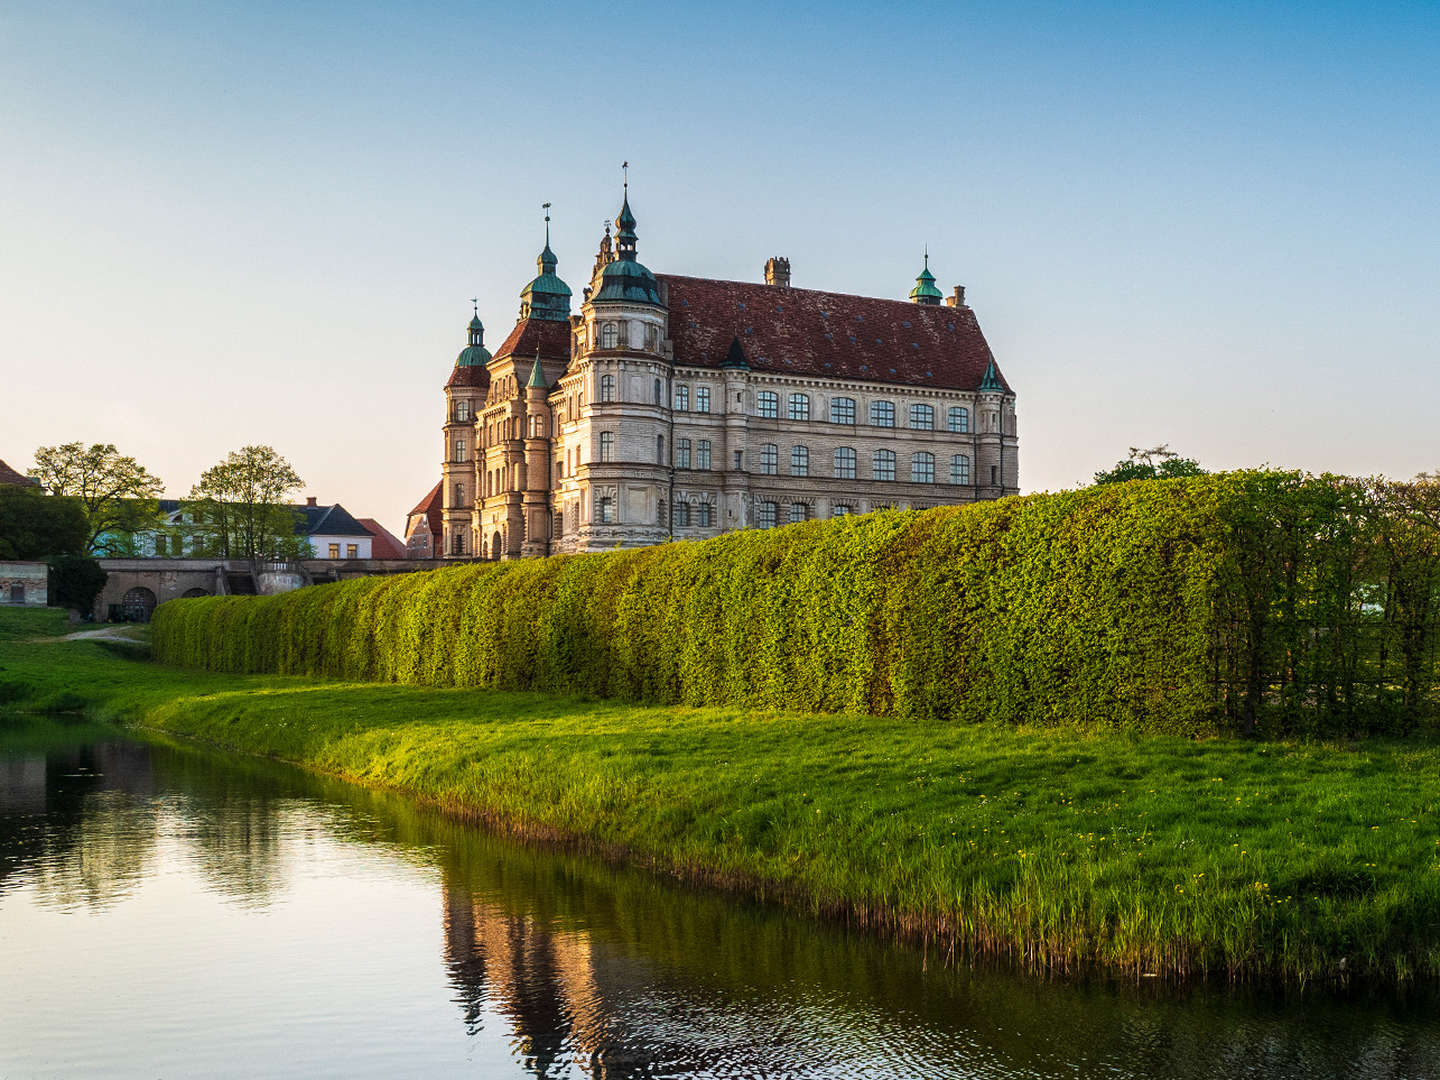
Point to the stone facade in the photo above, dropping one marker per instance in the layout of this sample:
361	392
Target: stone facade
24	583
681	408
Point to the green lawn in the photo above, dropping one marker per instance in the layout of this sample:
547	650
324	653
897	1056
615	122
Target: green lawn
1063	849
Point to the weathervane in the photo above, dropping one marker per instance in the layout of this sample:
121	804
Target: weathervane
546	208
475	300
625	168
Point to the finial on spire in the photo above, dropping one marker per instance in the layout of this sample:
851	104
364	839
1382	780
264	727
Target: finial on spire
546	208
475	303
927	252
625	168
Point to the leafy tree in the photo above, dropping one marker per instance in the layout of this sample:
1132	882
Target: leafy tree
1146	464
242	502
75	582
36	526
116	493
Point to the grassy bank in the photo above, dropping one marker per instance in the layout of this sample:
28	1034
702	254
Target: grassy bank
1051	848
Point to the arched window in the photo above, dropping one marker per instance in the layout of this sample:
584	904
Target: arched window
682	453
607	387
605	510
799	512
842	410
799	461
959	469
462	409
882	414
922	417
702	454
845	463
799	407
767	405
883	464
609	335
959	419
767	515
607	446
770	459
922	468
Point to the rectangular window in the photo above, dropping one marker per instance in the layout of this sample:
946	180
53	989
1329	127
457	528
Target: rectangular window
770	459
799	512
682	453
799	461
959	469
840	510
739	460
959	419
922	417
607	445
459	449
702	399
682	514
605	510
607	387
799	407
767	405
842	410
702	454
703	513
994	479
767	515
882	414
845	463
682	398
462	410
334	551
883	464
922	468
352	551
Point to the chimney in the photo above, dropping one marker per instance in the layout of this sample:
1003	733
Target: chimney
777	271
958	300
310	500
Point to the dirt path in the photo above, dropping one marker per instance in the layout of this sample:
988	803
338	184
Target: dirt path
123	632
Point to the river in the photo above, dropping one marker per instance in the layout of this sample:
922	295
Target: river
171	912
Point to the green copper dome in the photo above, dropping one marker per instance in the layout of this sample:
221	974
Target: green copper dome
925	291
547	297
474	354
625	279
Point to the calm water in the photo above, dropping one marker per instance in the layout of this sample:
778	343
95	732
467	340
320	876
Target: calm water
168	913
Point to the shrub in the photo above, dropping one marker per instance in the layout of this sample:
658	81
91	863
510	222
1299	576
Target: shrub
1254	601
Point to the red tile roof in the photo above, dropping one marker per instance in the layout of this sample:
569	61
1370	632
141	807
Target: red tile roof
551	337
431	507
829	335
468	376
10	476
383	544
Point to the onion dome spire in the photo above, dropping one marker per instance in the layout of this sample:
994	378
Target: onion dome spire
474	354
925	291
624	278
547	297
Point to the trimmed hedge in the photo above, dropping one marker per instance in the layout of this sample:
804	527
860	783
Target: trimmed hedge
1246	601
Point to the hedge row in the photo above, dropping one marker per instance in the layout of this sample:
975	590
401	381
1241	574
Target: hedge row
1253	600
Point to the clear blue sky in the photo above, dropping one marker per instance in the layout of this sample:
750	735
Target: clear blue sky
1209	224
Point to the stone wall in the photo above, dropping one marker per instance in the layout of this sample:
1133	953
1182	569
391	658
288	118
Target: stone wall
26	583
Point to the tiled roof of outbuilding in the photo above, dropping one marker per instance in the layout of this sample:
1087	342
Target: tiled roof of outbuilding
327	521
829	335
10	476
431	507
383	543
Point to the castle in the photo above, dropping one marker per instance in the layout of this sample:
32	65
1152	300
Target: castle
676	407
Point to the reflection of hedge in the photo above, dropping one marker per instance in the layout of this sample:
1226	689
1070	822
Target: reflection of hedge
1243	599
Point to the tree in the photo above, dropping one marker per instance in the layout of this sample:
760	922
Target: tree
116	492
1146	464
36	526
75	582
242	505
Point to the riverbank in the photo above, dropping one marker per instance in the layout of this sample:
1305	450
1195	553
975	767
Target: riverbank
1050	849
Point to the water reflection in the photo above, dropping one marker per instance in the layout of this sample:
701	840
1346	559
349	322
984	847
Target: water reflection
548	965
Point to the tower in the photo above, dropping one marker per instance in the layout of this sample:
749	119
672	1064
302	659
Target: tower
464	396
925	291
